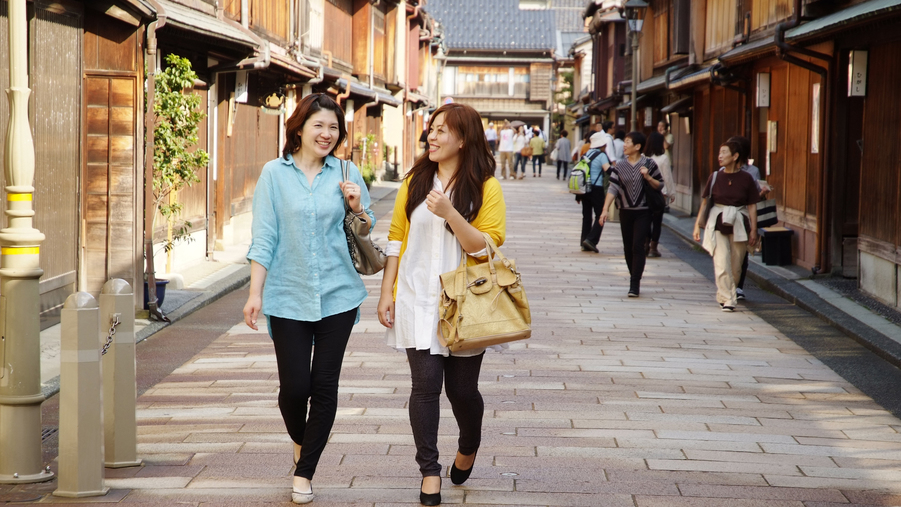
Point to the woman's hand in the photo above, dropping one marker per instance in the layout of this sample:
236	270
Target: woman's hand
439	204
644	172
386	311
697	232
252	310
351	192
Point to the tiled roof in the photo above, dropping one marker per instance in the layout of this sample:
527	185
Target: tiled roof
493	25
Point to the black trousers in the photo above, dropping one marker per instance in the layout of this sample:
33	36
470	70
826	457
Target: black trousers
309	373
592	207
562	164
635	225
461	380
656	224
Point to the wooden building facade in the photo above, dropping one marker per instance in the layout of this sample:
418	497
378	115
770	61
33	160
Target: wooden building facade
781	73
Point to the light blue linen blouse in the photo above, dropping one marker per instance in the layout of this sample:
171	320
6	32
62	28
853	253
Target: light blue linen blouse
298	236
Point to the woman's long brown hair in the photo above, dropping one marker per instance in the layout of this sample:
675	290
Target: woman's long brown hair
476	163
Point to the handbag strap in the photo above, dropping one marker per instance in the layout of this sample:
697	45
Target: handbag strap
461	280
344	179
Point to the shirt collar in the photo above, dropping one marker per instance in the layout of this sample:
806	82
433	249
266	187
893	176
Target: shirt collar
330	161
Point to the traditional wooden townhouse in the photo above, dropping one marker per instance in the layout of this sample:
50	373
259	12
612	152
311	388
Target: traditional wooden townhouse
811	84
583	85
606	62
253	58
499	58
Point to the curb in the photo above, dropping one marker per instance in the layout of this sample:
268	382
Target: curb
806	299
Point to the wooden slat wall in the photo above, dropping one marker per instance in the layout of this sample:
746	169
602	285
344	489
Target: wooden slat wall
271	16
880	173
413	81
338	33
716	118
766	13
111	61
379	40
391	54
661	30
55	75
361	25
720	27
232	9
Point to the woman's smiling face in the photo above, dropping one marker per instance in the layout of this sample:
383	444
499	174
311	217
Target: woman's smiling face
443	144
320	132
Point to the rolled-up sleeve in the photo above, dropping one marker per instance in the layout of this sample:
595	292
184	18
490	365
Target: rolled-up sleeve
264	228
365	199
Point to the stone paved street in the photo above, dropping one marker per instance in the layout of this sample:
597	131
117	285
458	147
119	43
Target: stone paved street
658	401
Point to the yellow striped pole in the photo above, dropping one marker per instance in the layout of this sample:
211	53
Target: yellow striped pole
20	270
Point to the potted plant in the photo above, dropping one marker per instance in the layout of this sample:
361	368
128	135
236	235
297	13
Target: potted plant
175	158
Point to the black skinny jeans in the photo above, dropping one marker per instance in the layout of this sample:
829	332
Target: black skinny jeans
593	201
461	379
300	383
635	225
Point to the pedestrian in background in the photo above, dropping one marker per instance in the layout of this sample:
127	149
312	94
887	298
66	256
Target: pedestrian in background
302	277
586	145
491	137
442	208
731	227
537	145
519	161
656	152
764	190
627	187
563	153
593	200
505	147
668	139
618	140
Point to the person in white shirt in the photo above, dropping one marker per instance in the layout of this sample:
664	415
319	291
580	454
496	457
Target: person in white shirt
519	142
491	137
442	208
505	147
619	140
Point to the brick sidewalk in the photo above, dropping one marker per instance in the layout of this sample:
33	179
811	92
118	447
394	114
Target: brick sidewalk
659	401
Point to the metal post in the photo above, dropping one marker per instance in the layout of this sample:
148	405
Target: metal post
119	387
20	353
634	78
80	403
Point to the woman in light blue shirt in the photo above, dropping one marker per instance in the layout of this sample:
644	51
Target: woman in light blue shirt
302	277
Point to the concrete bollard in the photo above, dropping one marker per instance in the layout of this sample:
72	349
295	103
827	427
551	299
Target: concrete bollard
80	405
119	385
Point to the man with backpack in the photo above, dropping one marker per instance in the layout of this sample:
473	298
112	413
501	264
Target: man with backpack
587	182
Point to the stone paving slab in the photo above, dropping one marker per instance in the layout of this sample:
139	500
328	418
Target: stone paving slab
659	401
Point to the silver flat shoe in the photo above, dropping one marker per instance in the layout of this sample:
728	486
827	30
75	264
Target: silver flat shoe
301	497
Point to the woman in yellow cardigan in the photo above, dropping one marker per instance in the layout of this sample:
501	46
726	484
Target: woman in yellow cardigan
445	203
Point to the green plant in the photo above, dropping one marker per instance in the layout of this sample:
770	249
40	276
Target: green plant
368	148
175	161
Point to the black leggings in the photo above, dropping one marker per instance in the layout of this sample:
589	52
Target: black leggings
562	164
635	225
300	383
461	379
593	201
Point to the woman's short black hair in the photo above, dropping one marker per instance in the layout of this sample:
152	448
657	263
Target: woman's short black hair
564	133
638	139
620	134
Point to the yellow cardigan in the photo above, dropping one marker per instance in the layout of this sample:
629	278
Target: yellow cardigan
492	218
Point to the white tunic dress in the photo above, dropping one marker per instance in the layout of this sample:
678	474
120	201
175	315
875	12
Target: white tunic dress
431	251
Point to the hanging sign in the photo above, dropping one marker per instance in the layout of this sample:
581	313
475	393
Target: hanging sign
857	74
763	89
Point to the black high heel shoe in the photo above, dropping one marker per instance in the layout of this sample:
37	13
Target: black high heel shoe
429	498
458	476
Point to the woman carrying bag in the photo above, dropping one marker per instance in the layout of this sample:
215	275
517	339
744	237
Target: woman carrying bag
731	221
443	206
302	277
629	182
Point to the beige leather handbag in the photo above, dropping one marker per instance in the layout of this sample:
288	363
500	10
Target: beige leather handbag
483	305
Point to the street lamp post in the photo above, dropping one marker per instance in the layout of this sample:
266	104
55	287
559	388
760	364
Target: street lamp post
635	16
20	355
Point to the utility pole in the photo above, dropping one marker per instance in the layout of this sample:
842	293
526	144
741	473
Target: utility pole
20	242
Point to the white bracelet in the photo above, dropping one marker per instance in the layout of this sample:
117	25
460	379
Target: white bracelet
358	214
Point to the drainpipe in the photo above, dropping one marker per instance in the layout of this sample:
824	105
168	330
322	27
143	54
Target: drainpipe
245	14
674	68
149	208
346	93
784	49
